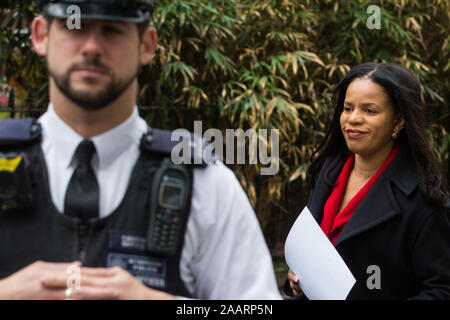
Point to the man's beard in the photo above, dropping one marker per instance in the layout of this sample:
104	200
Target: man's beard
88	101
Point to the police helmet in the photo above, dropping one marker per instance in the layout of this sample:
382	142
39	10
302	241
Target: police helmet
134	11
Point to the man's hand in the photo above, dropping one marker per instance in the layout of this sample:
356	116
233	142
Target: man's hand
106	283
26	284
49	281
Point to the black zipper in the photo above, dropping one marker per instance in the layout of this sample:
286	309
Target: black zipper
84	234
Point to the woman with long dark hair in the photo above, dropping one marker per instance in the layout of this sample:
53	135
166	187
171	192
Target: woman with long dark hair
377	189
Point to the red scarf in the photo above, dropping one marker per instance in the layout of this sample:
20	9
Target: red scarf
332	221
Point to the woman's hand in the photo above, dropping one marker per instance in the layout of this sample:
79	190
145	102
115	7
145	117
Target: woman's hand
294	284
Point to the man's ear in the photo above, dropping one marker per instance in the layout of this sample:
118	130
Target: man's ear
39	35
148	45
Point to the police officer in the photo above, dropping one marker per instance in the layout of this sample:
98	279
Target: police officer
99	212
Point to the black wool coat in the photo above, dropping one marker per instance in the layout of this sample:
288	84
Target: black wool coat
396	244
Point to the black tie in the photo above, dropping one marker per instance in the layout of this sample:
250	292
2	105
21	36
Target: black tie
83	193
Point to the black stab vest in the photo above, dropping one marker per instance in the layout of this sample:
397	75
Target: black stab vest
41	233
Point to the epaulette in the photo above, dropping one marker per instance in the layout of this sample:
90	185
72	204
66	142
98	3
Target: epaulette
19	131
163	142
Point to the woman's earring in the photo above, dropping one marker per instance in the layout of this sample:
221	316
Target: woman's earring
394	135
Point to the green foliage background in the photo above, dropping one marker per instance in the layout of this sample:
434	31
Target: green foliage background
265	64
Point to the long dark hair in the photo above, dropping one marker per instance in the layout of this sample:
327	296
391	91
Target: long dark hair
404	90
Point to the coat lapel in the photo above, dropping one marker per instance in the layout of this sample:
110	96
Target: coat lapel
322	189
380	205
377	207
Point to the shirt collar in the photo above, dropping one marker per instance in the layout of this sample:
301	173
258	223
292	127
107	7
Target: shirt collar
109	145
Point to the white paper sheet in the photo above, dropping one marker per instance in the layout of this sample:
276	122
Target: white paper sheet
322	273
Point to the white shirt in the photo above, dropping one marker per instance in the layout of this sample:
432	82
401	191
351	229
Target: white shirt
224	254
